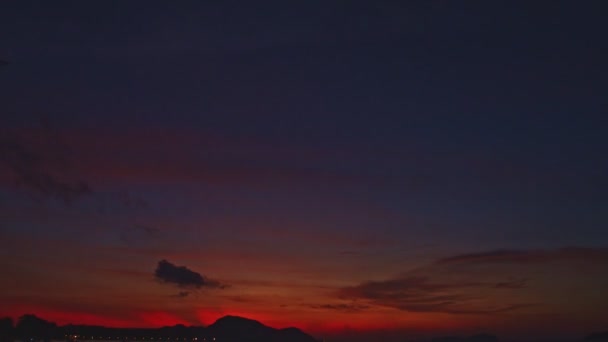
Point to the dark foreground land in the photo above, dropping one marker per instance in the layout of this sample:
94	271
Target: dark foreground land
30	328
226	329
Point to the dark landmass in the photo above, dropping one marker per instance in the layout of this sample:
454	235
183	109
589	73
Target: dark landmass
597	337
30	328
228	329
474	338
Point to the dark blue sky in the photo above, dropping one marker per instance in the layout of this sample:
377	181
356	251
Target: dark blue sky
399	132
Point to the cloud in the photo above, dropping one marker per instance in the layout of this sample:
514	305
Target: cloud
181	294
40	170
473	283
422	294
529	256
343	307
182	276
177	156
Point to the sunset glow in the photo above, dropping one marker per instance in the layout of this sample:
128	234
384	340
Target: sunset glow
362	171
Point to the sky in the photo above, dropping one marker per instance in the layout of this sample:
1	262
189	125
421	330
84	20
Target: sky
362	170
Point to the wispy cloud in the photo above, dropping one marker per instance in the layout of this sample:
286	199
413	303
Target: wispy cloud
342	307
160	155
181	294
36	171
529	256
423	294
472	283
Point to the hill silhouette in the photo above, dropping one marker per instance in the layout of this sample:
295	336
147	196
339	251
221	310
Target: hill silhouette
234	328
225	329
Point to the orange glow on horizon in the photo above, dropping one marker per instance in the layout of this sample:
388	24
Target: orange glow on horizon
161	319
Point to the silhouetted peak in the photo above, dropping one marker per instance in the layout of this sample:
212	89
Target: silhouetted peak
236	321
235	328
294	335
239	326
227	329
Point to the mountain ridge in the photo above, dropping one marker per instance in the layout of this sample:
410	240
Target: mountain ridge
225	329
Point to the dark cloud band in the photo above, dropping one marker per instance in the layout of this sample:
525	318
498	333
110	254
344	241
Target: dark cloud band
182	276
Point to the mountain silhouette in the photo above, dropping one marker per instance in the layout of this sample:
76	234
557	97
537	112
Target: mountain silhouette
237	329
240	329
294	335
225	329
